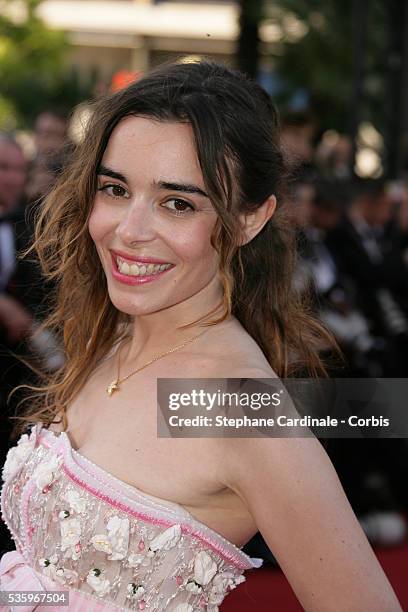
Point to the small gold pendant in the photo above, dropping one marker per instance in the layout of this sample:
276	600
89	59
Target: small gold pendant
112	387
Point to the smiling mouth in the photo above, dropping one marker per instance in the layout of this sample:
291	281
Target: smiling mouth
142	269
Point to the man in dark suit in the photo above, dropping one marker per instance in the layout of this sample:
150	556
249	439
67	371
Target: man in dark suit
373	471
365	247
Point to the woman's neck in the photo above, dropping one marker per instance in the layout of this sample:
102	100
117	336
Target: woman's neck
159	331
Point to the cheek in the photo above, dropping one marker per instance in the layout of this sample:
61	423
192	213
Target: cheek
194	246
97	225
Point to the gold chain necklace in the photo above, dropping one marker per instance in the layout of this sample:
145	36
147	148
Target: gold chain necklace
114	385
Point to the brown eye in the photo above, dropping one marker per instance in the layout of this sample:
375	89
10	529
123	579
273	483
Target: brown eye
178	207
114	191
118	191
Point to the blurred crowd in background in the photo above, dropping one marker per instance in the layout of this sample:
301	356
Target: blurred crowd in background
353	244
353	253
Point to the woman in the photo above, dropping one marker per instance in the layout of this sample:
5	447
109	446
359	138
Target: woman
172	263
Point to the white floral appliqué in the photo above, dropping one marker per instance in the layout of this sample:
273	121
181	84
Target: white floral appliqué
205	569
116	542
222	583
75	501
136	559
135	591
17	456
166	539
61	575
100	585
163	541
47	471
70	537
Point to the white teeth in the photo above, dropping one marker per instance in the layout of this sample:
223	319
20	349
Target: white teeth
135	269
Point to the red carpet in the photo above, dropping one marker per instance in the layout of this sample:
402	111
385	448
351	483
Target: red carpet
267	590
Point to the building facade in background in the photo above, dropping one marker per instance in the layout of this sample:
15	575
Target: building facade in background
134	35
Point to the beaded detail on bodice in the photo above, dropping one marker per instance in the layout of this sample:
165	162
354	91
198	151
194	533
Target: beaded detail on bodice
88	531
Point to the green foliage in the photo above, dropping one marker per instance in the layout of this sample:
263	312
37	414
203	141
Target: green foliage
322	60
32	72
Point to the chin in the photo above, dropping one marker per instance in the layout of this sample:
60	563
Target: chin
133	309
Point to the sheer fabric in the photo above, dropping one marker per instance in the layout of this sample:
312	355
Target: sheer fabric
79	529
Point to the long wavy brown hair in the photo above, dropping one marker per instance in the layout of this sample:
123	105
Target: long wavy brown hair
236	133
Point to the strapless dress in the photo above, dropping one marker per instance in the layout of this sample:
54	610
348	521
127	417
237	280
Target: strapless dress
107	544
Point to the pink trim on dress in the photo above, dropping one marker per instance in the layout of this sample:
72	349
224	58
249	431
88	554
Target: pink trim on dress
149	518
72	469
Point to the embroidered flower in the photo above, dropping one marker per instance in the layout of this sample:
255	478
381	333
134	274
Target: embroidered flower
204	570
46	472
166	539
64	575
135	559
61	575
75	501
116	542
223	582
17	456
163	541
135	591
70	536
101	542
46	562
193	587
99	584
118	533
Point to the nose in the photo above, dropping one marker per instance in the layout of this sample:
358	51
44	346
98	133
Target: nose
137	223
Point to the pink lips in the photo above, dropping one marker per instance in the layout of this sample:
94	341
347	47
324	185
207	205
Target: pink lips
135	280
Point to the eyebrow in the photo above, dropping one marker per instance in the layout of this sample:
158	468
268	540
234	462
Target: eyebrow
108	172
185	187
168	186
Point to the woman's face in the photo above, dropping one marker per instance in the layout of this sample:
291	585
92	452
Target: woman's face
152	220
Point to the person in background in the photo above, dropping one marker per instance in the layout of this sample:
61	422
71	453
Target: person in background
333	157
298	132
15	318
22	294
366	248
50	134
365	244
336	292
50	140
